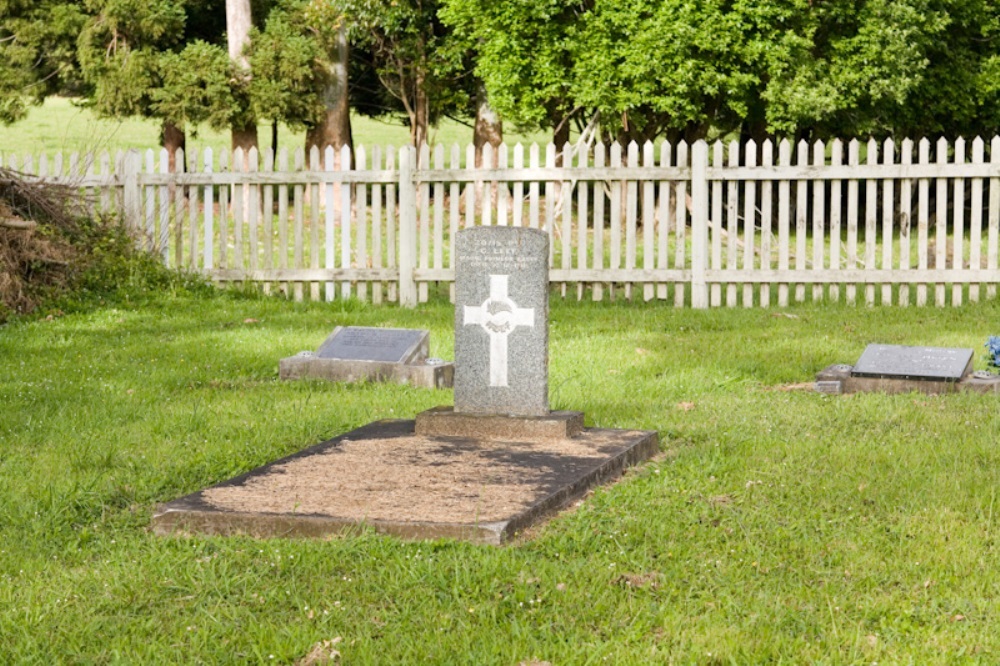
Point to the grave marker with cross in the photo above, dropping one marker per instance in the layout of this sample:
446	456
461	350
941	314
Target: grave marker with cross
501	321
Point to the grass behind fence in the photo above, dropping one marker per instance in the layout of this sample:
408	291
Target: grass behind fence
776	526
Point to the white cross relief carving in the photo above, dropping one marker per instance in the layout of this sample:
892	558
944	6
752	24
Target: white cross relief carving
499	316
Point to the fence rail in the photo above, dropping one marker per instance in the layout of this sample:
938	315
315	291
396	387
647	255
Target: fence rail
705	225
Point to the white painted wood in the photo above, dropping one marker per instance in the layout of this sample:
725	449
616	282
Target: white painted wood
784	216
749	221
517	206
298	238
329	222
597	293
818	218
732	228
699	225
801	220
664	220
958	222
941	222
408	293
391	225
715	225
378	228
315	164
905	219
976	217
454	198
208	247
424	203
888	211
681	259
648	219
766	221
631	215
362	224
993	237
923	220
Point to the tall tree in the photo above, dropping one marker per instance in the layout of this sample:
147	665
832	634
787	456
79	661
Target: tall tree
328	27
411	57
239	21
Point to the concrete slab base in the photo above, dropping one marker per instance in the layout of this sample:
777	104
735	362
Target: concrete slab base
446	422
422	374
837	379
386	477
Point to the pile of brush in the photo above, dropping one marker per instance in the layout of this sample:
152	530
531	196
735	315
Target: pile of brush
40	239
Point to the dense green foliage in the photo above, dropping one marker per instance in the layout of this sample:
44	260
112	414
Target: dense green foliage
777	526
645	68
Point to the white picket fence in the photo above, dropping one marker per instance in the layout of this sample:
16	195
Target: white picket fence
701	225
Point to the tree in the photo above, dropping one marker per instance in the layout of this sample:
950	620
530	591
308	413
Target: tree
524	57
238	24
37	52
411	57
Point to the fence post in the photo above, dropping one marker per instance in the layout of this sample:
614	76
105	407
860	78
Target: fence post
407	228
131	195
699	224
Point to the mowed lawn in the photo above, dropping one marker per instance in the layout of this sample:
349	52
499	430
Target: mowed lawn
777	525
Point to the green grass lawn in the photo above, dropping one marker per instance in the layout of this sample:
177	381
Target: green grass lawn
777	526
61	125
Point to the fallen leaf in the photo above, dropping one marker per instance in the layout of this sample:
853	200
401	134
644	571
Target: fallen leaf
685	406
720	500
251	320
785	315
640	351
872	640
640	580
957	618
534	662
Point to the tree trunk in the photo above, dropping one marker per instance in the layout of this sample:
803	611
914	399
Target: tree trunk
172	137
489	127
334	128
238	23
560	137
421	113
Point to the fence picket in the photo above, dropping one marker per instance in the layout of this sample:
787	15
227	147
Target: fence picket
888	211
680	225
749	221
801	219
208	251
766	221
853	160
715	226
648	219
597	293
784	202
923	220
732	228
976	219
958	223
905	219
994	217
941	223
818	219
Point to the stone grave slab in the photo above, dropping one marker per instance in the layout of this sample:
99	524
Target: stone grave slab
414	487
364	353
933	364
902	369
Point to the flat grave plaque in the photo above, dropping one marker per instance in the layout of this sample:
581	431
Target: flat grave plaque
936	364
387	345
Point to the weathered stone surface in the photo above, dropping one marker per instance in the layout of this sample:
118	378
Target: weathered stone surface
501	321
413	487
361	353
423	374
446	422
366	343
941	364
837	379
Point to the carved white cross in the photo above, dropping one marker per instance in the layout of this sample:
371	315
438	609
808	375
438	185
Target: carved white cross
499	316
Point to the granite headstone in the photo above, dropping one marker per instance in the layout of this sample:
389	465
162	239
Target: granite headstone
941	364
501	321
365	343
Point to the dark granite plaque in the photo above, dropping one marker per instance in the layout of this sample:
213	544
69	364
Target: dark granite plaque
360	343
940	364
502	321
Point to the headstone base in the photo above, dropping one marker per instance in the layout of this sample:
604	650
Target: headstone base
386	477
446	422
423	375
837	379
